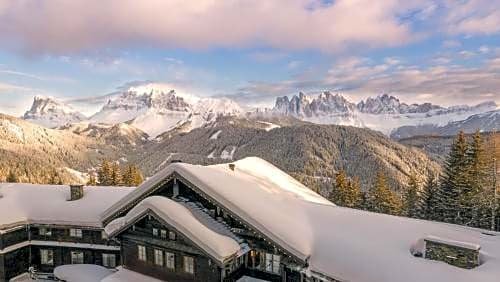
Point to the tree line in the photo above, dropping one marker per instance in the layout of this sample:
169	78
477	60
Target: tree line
466	192
112	174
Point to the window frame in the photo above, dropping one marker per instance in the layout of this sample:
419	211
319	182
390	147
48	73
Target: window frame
44	231
46	256
158	257
170	260
75	256
188	264
106	258
142	253
76	232
163	234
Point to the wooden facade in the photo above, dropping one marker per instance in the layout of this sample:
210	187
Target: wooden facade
22	248
265	260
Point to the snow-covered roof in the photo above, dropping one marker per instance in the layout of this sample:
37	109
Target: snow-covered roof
342	243
96	273
48	204
219	246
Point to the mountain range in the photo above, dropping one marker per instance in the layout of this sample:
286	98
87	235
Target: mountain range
157	108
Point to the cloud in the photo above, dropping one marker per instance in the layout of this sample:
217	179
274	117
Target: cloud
360	78
63	27
473	17
15	99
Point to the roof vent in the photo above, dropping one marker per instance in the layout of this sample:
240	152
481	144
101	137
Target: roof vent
76	192
232	167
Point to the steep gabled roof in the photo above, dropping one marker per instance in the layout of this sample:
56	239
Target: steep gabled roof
218	246
341	243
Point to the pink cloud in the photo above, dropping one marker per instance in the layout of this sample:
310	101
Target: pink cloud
59	26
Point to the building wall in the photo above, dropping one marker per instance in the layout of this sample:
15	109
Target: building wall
141	234
19	260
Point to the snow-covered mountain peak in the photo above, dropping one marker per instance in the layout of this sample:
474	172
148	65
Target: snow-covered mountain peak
49	112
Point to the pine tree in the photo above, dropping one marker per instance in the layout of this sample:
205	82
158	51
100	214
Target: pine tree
473	198
382	199
104	173
345	193
412	204
429	198
12	177
116	175
92	180
137	177
453	182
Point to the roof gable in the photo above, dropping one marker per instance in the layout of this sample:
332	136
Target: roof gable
176	215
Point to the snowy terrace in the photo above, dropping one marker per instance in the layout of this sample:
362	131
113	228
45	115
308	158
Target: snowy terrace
342	243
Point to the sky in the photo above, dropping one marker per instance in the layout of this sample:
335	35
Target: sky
442	51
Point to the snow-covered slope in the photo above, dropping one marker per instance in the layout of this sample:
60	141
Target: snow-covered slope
488	121
383	113
49	112
156	108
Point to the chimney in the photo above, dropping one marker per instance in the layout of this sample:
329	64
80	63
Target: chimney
76	192
232	167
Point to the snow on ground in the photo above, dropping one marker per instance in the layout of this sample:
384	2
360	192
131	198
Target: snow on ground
250	279
269	126
217	245
125	275
96	273
13	129
48	204
81	272
228	153
343	243
215	135
211	155
82	177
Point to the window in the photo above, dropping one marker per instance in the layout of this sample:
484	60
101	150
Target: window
141	252
43	231
170	257
76	257
273	263
75	232
109	260
47	257
163	234
104	235
155	231
171	235
189	265
158	257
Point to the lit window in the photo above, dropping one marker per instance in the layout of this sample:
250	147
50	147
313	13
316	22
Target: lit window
170	260
141	252
109	260
155	231
47	257
76	257
171	235
158	257
73	232
273	263
44	231
163	234
189	265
